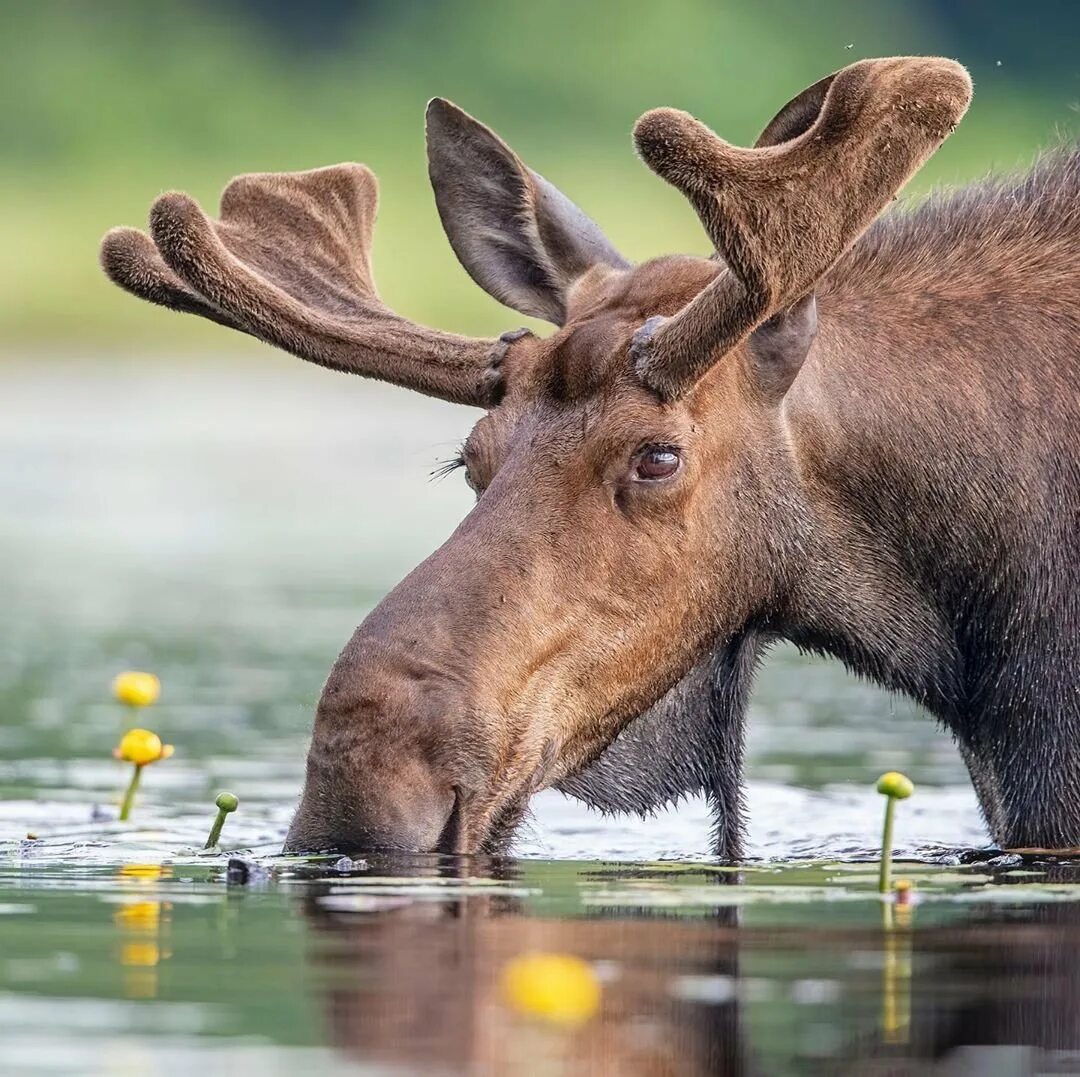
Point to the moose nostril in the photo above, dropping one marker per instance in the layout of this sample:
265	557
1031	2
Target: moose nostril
454	837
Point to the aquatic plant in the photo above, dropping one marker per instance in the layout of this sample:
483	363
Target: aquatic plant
135	688
893	786
226	803
140	747
559	988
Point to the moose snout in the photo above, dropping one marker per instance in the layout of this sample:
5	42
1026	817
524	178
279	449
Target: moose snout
354	806
385	766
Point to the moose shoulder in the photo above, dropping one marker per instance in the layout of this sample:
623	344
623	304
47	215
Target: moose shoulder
856	434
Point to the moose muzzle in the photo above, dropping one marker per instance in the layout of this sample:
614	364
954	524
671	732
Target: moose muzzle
380	772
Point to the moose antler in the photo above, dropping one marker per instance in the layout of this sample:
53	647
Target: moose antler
781	214
289	262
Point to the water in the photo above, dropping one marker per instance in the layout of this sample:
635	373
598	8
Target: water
227	524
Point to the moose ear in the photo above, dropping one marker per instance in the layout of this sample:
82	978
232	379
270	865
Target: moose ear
797	116
521	239
778	346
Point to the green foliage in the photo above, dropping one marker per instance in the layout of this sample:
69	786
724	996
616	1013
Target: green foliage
107	104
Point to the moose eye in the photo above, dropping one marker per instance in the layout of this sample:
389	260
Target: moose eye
656	462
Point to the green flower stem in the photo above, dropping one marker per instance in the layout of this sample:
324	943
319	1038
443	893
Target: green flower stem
226	802
215	830
129	796
884	878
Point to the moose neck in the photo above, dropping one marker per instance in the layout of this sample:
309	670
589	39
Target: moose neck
922	429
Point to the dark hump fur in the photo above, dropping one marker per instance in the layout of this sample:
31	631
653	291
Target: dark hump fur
994	217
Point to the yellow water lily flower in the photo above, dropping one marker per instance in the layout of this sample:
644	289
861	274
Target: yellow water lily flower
559	988
140	746
136	689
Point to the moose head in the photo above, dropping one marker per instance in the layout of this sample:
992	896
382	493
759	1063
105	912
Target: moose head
634	471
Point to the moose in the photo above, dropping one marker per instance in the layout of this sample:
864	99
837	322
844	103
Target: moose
853	432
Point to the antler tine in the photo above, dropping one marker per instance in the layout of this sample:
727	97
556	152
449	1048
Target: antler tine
288	262
131	261
782	214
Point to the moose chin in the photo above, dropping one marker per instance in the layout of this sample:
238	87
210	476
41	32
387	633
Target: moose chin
860	435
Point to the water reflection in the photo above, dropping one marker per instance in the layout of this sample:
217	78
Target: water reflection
419	986
1007	986
143	925
962	990
897	921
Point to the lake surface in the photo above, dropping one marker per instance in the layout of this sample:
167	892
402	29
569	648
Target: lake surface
226	524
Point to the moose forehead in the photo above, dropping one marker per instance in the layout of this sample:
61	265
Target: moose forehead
578	385
589	355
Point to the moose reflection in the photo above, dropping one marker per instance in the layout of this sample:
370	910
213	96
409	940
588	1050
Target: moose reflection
417	987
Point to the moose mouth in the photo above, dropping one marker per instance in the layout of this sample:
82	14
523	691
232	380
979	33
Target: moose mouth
407	816
492	839
485	825
459	836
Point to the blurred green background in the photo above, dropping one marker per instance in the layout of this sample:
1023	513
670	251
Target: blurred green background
106	104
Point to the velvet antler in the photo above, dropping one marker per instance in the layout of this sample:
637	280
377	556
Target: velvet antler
289	262
781	214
